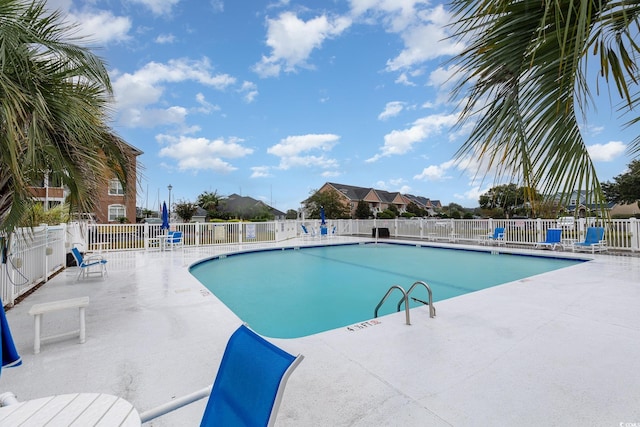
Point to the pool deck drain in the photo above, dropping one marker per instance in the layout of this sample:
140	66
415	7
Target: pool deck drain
560	348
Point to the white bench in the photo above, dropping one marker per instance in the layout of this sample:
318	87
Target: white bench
39	309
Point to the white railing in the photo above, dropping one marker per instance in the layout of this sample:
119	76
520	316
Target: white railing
32	257
35	254
620	234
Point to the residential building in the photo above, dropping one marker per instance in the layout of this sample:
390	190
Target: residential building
580	207
378	200
111	202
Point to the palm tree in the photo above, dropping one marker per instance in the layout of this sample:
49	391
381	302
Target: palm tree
54	98
209	201
523	81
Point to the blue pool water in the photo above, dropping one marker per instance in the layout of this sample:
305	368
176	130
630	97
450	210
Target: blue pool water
298	292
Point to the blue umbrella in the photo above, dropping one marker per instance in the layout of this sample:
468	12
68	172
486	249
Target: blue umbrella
10	356
322	219
165	217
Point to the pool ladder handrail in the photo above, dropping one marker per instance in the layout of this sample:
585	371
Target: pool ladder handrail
405	299
432	309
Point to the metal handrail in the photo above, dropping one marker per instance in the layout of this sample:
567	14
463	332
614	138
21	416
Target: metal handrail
405	298
432	309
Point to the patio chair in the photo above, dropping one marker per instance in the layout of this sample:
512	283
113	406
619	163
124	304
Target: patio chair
593	241
174	240
553	239
497	237
306	234
93	264
248	387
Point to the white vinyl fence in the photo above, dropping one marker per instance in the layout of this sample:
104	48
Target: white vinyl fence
32	256
29	258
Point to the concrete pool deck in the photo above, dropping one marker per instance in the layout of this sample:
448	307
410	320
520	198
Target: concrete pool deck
560	348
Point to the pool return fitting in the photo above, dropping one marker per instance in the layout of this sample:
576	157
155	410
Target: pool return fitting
405	299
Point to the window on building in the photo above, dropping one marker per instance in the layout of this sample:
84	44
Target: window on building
116	212
115	188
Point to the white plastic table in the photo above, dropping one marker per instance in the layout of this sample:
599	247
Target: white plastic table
79	409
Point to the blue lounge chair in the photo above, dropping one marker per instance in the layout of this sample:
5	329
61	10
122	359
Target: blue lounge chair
554	239
593	241
94	264
248	387
497	237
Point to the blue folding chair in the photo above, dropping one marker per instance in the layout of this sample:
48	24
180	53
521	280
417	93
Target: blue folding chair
248	387
306	234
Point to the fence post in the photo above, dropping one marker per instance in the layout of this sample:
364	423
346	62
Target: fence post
539	233
145	233
634	232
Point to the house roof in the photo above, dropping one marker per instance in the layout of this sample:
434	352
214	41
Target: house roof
351	191
237	203
370	194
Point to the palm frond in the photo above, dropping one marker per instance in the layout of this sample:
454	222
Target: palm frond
524	83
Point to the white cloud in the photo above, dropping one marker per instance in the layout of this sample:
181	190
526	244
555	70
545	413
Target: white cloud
422	29
205	106
294	145
136	92
101	27
397	184
293	151
606	152
292	40
250	91
151	117
202	153
442	77
435	172
403	79
392	109
261	172
330	174
473	194
165	39
158	7
217	5
396	15
401	141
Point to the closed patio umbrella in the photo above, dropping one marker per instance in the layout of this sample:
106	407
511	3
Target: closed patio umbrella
165	217
10	356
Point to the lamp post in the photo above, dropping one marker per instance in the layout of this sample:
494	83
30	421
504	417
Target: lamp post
169	187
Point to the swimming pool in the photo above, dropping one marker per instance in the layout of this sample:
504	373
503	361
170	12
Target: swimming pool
301	291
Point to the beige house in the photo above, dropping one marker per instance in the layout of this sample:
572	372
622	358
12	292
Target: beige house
625	209
378	200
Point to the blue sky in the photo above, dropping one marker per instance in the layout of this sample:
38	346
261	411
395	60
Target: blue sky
273	99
